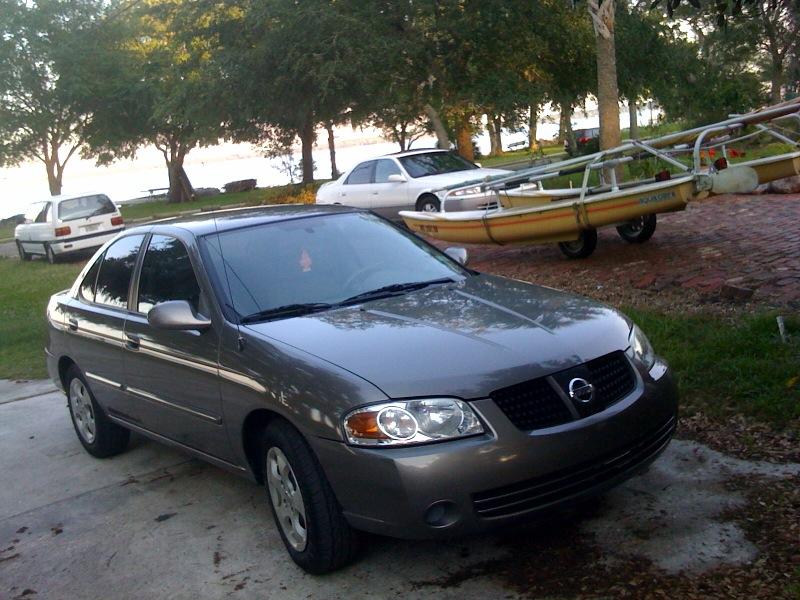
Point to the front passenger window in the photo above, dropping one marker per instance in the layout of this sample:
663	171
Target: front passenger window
167	274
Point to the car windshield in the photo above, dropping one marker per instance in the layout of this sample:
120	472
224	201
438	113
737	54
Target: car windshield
87	206
434	163
308	264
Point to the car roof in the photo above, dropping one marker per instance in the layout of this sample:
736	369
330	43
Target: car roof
417	151
62	197
203	223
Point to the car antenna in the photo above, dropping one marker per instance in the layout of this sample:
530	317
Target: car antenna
240	339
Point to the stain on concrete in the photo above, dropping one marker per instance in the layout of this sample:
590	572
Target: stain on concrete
164	517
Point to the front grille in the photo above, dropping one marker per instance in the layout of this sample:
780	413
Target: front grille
542	492
532	404
535	404
612	378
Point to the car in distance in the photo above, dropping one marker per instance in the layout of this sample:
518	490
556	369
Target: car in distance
408	181
366	379
67	224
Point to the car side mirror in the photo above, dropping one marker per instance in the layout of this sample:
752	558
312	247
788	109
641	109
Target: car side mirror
396	178
458	254
176	315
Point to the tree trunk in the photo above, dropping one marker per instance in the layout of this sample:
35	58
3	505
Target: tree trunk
332	149
464	139
775	87
533	118
566	123
307	137
442	141
607	93
54	175
634	120
180	188
490	129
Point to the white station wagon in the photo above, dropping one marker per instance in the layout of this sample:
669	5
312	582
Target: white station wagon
65	224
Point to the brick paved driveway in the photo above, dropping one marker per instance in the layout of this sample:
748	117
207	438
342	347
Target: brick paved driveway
745	241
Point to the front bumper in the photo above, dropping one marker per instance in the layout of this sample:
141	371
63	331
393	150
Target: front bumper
475	484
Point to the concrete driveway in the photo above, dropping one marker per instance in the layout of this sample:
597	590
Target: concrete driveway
152	523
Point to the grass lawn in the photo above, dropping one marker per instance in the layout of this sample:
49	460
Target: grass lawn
7	231
25	289
726	368
272	195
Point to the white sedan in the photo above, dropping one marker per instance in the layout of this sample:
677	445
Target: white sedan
408	181
67	224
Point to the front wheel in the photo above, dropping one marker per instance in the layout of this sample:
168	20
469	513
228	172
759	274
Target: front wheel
21	251
100	436
309	519
582	247
639	230
428	203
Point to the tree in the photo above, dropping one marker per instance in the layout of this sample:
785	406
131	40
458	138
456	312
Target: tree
152	83
602	13
39	118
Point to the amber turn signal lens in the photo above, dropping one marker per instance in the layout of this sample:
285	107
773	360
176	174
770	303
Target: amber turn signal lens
61	231
364	425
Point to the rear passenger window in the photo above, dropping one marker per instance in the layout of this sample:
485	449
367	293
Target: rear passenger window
361	174
167	274
87	285
114	278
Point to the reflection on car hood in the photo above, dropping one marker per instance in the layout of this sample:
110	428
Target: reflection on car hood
462	339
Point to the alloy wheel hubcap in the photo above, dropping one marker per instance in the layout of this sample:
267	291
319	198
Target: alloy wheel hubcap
636	225
287	499
429	207
82	411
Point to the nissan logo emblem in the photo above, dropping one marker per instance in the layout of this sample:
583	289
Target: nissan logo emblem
581	390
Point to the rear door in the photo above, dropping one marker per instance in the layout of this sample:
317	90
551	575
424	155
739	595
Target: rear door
37	228
357	189
95	322
172	376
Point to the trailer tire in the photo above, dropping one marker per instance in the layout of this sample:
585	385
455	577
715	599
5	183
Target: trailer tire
639	230
582	247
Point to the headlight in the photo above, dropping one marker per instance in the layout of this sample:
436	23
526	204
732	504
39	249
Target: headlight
640	348
404	422
476	189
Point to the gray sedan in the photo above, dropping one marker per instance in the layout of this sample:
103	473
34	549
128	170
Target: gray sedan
366	379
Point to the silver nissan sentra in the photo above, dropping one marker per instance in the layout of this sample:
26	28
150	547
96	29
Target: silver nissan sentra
368	380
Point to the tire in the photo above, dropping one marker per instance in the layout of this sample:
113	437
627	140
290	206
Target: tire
582	247
21	251
319	540
99	436
51	256
638	230
428	203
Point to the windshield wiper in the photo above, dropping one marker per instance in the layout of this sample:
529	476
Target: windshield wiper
288	310
394	288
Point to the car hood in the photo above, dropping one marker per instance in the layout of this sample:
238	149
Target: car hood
437	181
463	339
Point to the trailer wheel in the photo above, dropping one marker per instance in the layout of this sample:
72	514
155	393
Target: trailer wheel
582	247
638	230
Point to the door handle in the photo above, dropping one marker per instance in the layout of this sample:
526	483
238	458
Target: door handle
132	341
73	324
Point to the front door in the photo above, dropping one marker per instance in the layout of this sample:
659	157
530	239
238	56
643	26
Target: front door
389	197
172	376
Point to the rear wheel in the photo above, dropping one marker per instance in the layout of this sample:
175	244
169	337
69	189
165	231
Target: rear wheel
639	230
51	256
99	436
22	254
309	519
428	203
582	247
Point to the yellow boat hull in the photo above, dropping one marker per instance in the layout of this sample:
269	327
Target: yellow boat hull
772	168
555	221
